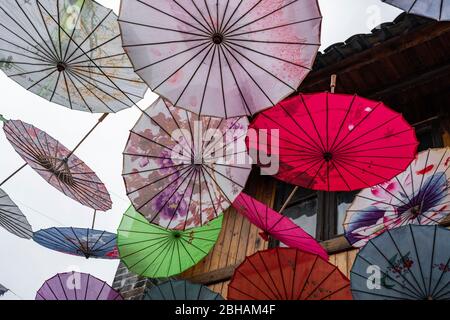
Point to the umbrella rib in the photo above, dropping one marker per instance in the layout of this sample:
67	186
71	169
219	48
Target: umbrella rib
230	42
277	42
271	28
259	273
257	65
230	32
207	78
151	170
36	56
169	249
155	142
73	31
173	17
235	80
321	282
221	174
221	21
181	67
164	29
27	63
378	148
99	58
165	243
209	193
313	123
225	131
432	258
194	74
79	93
31	72
347	113
341	176
212	26
207	26
93	49
56	86
282	275
59	31
55	51
418	259
69	58
190	201
241	17
316	258
222	84
224	27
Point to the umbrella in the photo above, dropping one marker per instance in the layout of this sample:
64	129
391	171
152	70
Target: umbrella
3	290
68	52
87	243
12	219
287	274
180	290
57	165
156	252
336	142
182	170
277	226
407	263
434	9
76	286
419	195
222	58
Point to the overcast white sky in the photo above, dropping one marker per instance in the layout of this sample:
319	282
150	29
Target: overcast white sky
24	265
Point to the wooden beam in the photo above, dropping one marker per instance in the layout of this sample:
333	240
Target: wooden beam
384	50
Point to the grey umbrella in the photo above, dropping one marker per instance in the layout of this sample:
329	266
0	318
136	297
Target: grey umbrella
434	9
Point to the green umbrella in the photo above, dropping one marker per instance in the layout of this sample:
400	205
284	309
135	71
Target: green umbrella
156	252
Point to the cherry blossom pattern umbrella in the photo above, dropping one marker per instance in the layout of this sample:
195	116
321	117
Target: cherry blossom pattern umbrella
156	252
419	195
182	170
180	290
222	58
86	243
277	226
12	219
434	9
336	142
287	274
68	52
76	286
57	165
407	263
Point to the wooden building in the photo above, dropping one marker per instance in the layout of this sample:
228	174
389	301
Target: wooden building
405	64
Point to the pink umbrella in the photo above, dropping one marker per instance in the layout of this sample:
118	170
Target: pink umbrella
222	58
277	226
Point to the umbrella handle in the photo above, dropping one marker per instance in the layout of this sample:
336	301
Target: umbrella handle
333	83
93	220
12	175
288	200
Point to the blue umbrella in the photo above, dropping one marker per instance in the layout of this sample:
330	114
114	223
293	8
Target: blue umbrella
180	290
434	9
80	242
411	262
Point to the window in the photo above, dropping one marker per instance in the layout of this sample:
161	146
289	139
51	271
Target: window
321	214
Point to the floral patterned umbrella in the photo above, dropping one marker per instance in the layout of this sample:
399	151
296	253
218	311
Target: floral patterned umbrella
407	263
277	226
57	165
182	170
335	142
86	243
419	195
287	274
156	252
180	290
434	9
76	286
12	219
68	52
222	58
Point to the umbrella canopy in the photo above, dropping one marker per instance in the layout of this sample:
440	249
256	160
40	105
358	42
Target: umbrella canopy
419	195
222	58
68	52
156	252
407	263
86	243
182	170
434	9
180	290
76	286
57	165
12	219
277	226
336	142
3	290
287	274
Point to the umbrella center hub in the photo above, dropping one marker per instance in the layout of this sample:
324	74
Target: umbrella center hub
61	66
59	168
328	156
218	38
415	211
176	235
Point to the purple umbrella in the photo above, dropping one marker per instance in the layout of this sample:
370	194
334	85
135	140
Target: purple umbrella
76	286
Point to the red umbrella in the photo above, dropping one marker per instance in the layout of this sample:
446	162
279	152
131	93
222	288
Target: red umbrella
288	274
277	226
336	142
